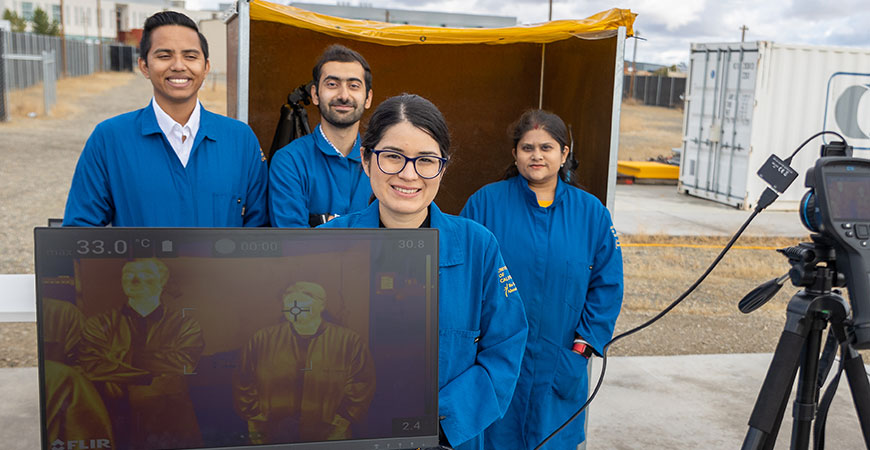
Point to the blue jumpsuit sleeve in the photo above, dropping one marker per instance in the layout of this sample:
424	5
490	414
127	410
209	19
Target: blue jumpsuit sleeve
90	201
604	294
288	204
479	396
257	214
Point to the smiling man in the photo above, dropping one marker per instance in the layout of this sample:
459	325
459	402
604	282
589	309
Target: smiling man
172	163
319	176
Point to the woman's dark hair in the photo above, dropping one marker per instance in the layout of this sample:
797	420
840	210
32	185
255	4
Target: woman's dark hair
162	18
411	108
534	119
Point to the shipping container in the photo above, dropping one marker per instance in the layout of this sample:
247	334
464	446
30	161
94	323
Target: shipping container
746	101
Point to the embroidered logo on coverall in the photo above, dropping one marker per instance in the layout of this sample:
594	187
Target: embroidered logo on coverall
615	237
506	281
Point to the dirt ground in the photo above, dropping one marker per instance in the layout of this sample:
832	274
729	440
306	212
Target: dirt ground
648	132
38	156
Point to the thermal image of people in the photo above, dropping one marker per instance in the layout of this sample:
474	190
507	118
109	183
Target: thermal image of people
138	357
305	378
74	409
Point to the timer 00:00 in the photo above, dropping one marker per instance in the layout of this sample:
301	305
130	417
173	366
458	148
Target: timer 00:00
259	246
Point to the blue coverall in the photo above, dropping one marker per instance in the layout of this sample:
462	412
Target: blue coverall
482	327
128	175
567	264
309	176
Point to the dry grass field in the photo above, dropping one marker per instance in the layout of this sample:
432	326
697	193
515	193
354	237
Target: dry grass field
24	103
647	132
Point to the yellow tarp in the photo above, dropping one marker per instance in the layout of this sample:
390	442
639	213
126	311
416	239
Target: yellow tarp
395	34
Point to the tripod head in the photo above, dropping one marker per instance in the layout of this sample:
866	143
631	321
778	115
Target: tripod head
814	265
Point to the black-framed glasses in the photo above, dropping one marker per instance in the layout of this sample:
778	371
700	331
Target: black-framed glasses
392	162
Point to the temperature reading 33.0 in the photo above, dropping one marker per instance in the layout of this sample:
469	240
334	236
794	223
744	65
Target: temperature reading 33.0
100	247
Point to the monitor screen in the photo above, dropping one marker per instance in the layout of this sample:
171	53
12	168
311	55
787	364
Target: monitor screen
229	338
848	197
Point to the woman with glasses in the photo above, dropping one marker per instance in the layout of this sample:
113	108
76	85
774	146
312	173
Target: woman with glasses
482	326
563	253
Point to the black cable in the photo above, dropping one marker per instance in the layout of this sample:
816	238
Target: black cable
767	197
658	316
811	138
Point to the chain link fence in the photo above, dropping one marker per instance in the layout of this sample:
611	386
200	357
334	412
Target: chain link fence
22	63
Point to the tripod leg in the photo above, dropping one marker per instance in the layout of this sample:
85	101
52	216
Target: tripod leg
807	395
860	387
772	399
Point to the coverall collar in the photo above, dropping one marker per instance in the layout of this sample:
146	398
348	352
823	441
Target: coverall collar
532	199
329	150
208	127
450	250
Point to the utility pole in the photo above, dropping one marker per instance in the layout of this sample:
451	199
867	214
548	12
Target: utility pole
743	29
100	35
633	64
62	43
550	16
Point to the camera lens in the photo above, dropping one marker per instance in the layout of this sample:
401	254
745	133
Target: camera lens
809	212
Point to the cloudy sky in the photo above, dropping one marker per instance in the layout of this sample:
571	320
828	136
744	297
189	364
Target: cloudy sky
669	26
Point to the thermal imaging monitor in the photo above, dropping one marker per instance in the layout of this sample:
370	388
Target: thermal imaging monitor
227	338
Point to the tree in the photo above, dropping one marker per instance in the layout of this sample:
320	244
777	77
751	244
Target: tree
19	24
41	24
664	71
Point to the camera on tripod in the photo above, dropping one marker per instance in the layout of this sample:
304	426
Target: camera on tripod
837	207
837	210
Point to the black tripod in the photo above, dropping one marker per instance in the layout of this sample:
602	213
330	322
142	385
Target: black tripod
809	313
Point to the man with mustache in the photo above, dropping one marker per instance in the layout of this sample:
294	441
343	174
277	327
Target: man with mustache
319	176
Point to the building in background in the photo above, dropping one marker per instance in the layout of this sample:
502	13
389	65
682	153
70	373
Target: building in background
408	17
105	20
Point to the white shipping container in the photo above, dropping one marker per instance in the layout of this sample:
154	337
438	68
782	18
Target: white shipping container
746	101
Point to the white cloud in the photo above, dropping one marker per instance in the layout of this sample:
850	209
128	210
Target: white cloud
670	26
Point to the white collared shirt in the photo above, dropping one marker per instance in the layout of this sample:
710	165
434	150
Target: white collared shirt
180	137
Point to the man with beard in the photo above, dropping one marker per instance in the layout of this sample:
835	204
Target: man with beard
319	176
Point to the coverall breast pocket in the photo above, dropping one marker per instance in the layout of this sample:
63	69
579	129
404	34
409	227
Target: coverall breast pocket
569	378
228	210
457	352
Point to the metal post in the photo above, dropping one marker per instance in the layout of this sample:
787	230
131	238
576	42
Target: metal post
49	89
658	90
4	114
633	68
100	35
62	42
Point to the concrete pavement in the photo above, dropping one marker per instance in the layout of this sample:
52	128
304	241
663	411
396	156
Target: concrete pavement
658	402
655	209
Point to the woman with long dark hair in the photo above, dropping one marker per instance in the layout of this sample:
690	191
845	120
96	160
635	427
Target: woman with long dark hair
562	250
482	326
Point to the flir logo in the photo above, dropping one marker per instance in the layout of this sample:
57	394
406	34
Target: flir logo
847	108
81	444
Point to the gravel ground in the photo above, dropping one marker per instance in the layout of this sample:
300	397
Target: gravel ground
38	156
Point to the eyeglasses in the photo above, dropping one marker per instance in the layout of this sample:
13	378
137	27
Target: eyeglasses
392	162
